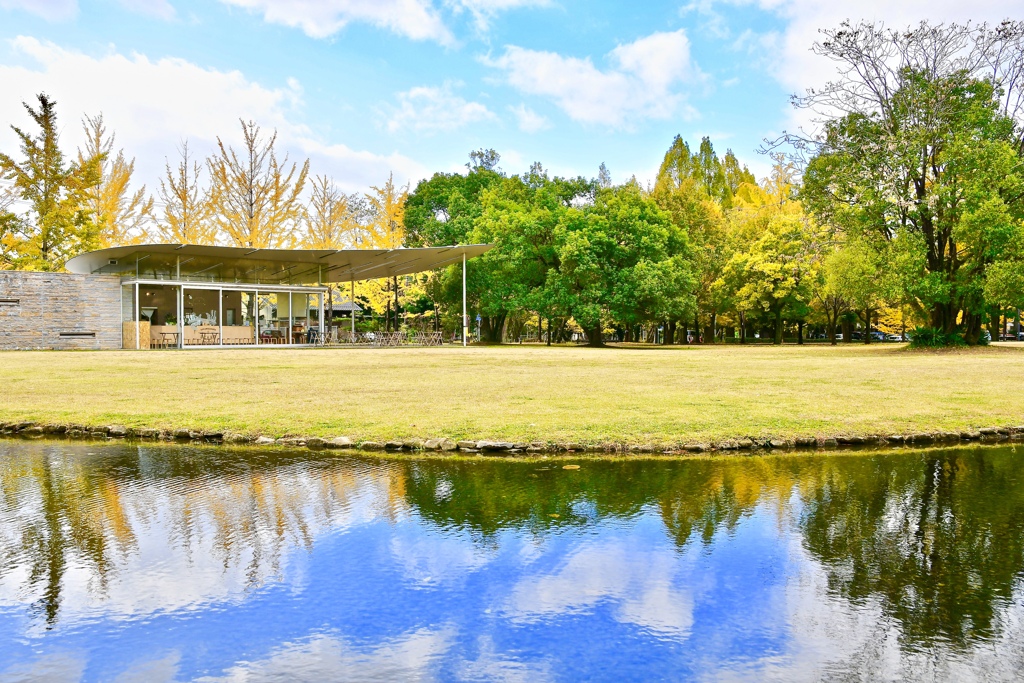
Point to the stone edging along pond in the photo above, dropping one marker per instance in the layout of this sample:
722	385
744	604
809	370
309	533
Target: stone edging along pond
505	448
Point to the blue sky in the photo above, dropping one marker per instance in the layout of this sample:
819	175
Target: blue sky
368	87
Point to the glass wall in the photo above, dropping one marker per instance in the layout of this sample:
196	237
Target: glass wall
201	317
158	315
236	326
273	328
171	316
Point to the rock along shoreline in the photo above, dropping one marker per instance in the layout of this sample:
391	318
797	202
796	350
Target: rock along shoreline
449	446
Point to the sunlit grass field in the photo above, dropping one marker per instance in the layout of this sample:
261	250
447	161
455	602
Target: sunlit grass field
525	393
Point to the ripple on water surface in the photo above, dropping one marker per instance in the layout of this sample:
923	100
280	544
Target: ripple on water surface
170	563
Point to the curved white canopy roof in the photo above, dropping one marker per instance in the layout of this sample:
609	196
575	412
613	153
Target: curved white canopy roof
271	266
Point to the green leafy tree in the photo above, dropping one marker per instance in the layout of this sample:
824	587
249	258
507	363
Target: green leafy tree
516	214
920	148
58	224
619	258
854	276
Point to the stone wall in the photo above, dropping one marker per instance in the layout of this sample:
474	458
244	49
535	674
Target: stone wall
59	311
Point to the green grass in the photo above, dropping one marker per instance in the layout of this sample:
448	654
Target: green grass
624	395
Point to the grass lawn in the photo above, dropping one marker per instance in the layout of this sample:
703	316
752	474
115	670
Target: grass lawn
525	393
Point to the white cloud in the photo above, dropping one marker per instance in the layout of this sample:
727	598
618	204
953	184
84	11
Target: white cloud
416	19
787	56
642	583
153	104
57	10
51	10
411	657
529	120
161	9
427	109
484	11
642	83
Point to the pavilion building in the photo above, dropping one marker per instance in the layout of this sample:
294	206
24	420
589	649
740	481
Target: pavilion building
195	296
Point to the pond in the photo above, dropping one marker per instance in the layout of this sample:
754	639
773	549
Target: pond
172	563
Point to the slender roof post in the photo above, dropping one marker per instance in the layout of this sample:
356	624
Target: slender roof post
352	310
465	317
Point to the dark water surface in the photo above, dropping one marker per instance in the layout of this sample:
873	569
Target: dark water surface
165	563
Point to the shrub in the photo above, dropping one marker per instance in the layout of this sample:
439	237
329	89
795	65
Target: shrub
933	338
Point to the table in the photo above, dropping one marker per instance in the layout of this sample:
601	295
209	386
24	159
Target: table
169	339
207	338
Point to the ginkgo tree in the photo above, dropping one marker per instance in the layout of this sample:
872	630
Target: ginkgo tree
186	202
385	229
121	215
775	268
256	199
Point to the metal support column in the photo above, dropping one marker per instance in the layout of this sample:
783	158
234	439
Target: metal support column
256	317
181	316
138	342
465	316
321	295
220	317
352	310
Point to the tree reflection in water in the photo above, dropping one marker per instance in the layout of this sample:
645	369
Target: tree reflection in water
936	538
67	507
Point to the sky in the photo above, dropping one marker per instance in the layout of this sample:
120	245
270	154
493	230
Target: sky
364	88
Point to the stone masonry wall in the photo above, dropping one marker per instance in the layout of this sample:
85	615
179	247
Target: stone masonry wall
59	311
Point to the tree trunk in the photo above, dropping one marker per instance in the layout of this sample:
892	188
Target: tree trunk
778	327
800	332
387	316
867	325
594	337
972	328
670	333
714	327
492	327
743	327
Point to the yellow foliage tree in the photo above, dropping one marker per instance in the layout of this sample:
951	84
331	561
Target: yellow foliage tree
186	204
254	199
123	217
328	221
385	230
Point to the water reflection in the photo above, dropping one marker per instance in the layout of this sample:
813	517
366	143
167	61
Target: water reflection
175	563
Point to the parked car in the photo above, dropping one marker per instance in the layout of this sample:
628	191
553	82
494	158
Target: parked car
877	336
893	337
